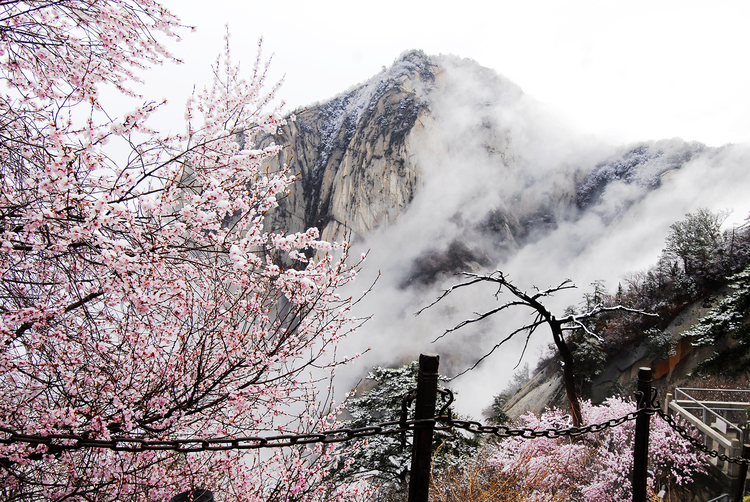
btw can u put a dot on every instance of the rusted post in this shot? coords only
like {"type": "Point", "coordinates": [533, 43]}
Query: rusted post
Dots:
{"type": "Point", "coordinates": [640, 447]}
{"type": "Point", "coordinates": [421, 457]}
{"type": "Point", "coordinates": [739, 488]}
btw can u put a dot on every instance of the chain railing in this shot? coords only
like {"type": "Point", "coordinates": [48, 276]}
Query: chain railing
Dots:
{"type": "Point", "coordinates": [441, 421]}
{"type": "Point", "coordinates": [697, 443]}
{"type": "Point", "coordinates": [60, 442]}
{"type": "Point", "coordinates": [502, 431]}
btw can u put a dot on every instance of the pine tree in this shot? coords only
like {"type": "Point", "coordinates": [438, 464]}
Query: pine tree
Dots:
{"type": "Point", "coordinates": [385, 460]}
{"type": "Point", "coordinates": [727, 321]}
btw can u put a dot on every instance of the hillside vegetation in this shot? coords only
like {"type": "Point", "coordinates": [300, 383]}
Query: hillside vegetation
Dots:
{"type": "Point", "coordinates": [699, 260]}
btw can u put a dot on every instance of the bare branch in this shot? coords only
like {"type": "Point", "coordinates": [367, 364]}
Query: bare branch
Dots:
{"type": "Point", "coordinates": [578, 324]}
{"type": "Point", "coordinates": [566, 284]}
{"type": "Point", "coordinates": [479, 317]}
{"type": "Point", "coordinates": [449, 291]}
{"type": "Point", "coordinates": [530, 327]}
{"type": "Point", "coordinates": [600, 308]}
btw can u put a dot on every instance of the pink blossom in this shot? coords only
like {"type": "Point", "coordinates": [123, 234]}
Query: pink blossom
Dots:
{"type": "Point", "coordinates": [129, 305]}
{"type": "Point", "coordinates": [597, 466]}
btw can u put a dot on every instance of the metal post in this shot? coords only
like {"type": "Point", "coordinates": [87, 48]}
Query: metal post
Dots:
{"type": "Point", "coordinates": [739, 488]}
{"type": "Point", "coordinates": [707, 439]}
{"type": "Point", "coordinates": [421, 458]}
{"type": "Point", "coordinates": [640, 448]}
{"type": "Point", "coordinates": [198, 495]}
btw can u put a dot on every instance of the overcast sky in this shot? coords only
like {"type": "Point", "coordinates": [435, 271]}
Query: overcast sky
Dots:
{"type": "Point", "coordinates": [621, 70]}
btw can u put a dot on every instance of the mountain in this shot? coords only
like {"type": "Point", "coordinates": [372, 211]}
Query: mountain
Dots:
{"type": "Point", "coordinates": [439, 166]}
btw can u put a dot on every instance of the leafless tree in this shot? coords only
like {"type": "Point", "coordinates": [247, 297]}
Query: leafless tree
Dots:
{"type": "Point", "coordinates": [542, 316]}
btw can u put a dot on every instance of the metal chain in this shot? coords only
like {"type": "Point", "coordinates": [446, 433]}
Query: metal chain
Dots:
{"type": "Point", "coordinates": [503, 431]}
{"type": "Point", "coordinates": [697, 443]}
{"type": "Point", "coordinates": [59, 442]}
{"type": "Point", "coordinates": [443, 422]}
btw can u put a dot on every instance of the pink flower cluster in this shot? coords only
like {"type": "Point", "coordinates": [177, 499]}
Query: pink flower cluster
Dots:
{"type": "Point", "coordinates": [142, 296]}
{"type": "Point", "coordinates": [597, 466]}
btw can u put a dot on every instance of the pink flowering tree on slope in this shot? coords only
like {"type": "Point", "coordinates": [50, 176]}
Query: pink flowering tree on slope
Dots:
{"type": "Point", "coordinates": [141, 296]}
{"type": "Point", "coordinates": [598, 466]}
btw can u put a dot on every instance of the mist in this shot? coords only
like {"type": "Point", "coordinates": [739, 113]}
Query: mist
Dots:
{"type": "Point", "coordinates": [500, 187]}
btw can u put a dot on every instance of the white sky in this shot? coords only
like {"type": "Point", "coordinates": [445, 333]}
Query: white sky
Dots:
{"type": "Point", "coordinates": [621, 70]}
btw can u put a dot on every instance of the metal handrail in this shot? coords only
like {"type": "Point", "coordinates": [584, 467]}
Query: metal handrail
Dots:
{"type": "Point", "coordinates": [716, 390]}
{"type": "Point", "coordinates": [706, 409]}
{"type": "Point", "coordinates": [724, 497]}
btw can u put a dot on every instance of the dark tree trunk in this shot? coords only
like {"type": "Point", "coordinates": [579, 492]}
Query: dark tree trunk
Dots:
{"type": "Point", "coordinates": [568, 377]}
{"type": "Point", "coordinates": [542, 316]}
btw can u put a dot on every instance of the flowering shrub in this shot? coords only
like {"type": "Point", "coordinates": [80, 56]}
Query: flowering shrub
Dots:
{"type": "Point", "coordinates": [596, 466]}
{"type": "Point", "coordinates": [141, 294]}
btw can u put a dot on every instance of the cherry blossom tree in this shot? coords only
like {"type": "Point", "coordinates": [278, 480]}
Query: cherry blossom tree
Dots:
{"type": "Point", "coordinates": [140, 293]}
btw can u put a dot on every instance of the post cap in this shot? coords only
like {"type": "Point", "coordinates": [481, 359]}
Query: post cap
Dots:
{"type": "Point", "coordinates": [429, 362]}
{"type": "Point", "coordinates": [645, 373]}
{"type": "Point", "coordinates": [198, 495]}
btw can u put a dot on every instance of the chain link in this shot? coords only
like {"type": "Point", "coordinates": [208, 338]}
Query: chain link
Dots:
{"type": "Point", "coordinates": [61, 442]}
{"type": "Point", "coordinates": [503, 431]}
{"type": "Point", "coordinates": [697, 443]}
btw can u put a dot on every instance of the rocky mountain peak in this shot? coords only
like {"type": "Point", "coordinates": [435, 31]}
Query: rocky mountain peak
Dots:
{"type": "Point", "coordinates": [352, 153]}
{"type": "Point", "coordinates": [471, 142]}
{"type": "Point", "coordinates": [440, 166]}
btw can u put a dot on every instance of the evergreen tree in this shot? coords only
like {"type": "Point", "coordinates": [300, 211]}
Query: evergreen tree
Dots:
{"type": "Point", "coordinates": [728, 320]}
{"type": "Point", "coordinates": [385, 460]}
{"type": "Point", "coordinates": [698, 242]}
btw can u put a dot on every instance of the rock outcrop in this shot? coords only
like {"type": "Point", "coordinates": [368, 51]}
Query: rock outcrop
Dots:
{"type": "Point", "coordinates": [440, 166]}
{"type": "Point", "coordinates": [353, 156]}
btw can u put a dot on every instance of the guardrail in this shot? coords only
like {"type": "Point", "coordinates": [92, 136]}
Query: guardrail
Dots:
{"type": "Point", "coordinates": [709, 408]}
{"type": "Point", "coordinates": [724, 497]}
{"type": "Point", "coordinates": [719, 432]}
{"type": "Point", "coordinates": [422, 426]}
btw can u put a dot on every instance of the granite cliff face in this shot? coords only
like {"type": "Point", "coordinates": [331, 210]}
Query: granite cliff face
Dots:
{"type": "Point", "coordinates": [353, 153]}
